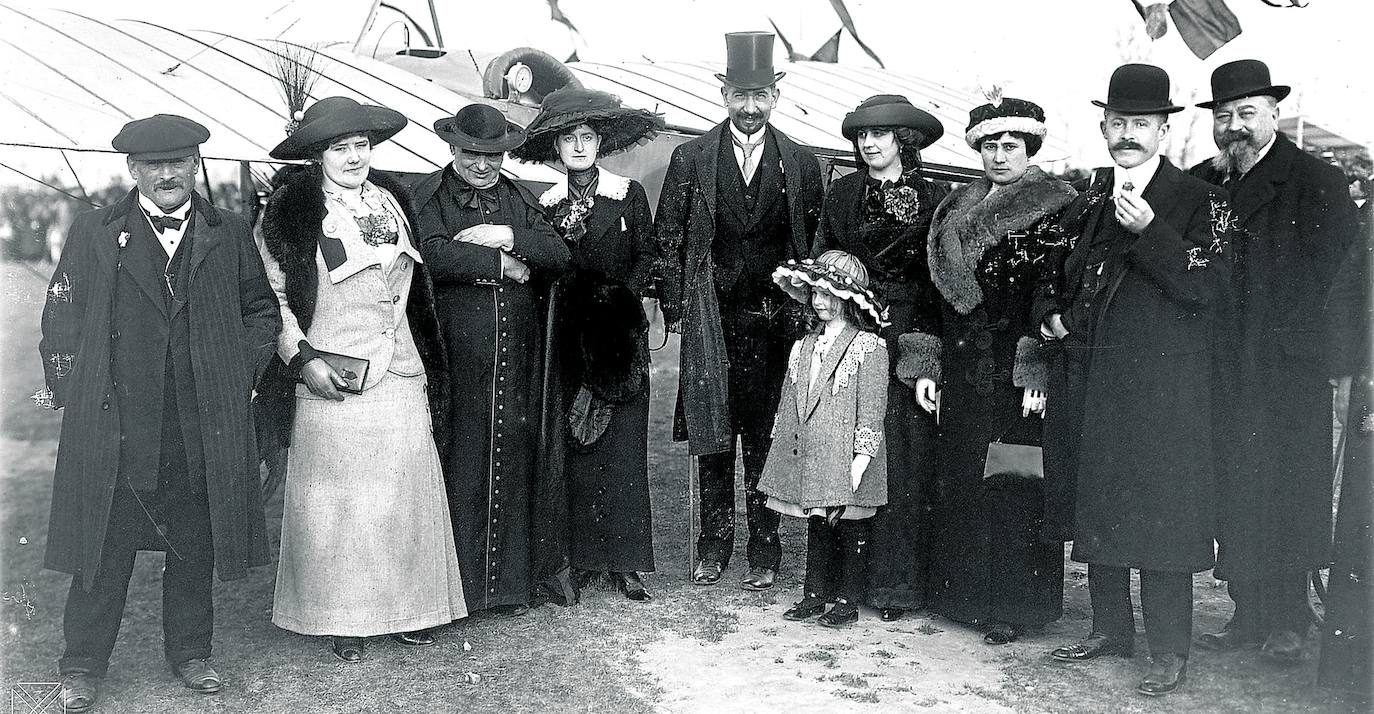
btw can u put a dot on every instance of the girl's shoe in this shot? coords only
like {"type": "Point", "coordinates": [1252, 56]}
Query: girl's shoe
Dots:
{"type": "Point", "coordinates": [418, 638]}
{"type": "Point", "coordinates": [840, 615]}
{"type": "Point", "coordinates": [809, 606]}
{"type": "Point", "coordinates": [348, 649]}
{"type": "Point", "coordinates": [1001, 633]}
{"type": "Point", "coordinates": [891, 614]}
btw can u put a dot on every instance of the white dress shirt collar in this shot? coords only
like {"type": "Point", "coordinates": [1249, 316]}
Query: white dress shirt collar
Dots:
{"type": "Point", "coordinates": [171, 237]}
{"type": "Point", "coordinates": [757, 156]}
{"type": "Point", "coordinates": [1138, 177]}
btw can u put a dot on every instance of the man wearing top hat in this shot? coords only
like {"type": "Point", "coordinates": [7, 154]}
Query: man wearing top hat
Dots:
{"type": "Point", "coordinates": [1296, 223]}
{"type": "Point", "coordinates": [158, 320]}
{"type": "Point", "coordinates": [736, 202]}
{"type": "Point", "coordinates": [493, 257]}
{"type": "Point", "coordinates": [1137, 318]}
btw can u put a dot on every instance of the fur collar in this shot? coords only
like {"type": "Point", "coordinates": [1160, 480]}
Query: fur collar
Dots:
{"type": "Point", "coordinates": [965, 226]}
{"type": "Point", "coordinates": [608, 185]}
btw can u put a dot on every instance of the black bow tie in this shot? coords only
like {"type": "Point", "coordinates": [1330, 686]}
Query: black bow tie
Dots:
{"type": "Point", "coordinates": [162, 223]}
{"type": "Point", "coordinates": [485, 199]}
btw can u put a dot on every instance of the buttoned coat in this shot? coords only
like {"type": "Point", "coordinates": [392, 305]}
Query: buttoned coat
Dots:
{"type": "Point", "coordinates": [105, 318]}
{"type": "Point", "coordinates": [1146, 462]}
{"type": "Point", "coordinates": [819, 428]}
{"type": "Point", "coordinates": [1296, 223]}
{"type": "Point", "coordinates": [685, 226]}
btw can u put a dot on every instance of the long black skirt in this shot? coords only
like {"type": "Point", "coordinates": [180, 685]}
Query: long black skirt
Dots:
{"type": "Point", "coordinates": [608, 494]}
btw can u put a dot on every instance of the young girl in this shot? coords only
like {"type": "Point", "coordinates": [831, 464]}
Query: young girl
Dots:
{"type": "Point", "coordinates": [827, 462]}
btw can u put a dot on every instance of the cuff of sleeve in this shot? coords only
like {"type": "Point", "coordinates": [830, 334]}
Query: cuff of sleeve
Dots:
{"type": "Point", "coordinates": [1031, 369]}
{"type": "Point", "coordinates": [306, 353]}
{"type": "Point", "coordinates": [866, 441]}
{"type": "Point", "coordinates": [918, 356]}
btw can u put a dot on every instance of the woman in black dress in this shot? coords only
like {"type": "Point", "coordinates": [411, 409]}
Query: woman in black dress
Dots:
{"type": "Point", "coordinates": [600, 331]}
{"type": "Point", "coordinates": [993, 241]}
{"type": "Point", "coordinates": [880, 214]}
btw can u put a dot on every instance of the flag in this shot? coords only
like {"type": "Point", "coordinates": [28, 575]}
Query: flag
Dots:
{"type": "Point", "coordinates": [830, 51]}
{"type": "Point", "coordinates": [1205, 25]}
{"type": "Point", "coordinates": [848, 22]}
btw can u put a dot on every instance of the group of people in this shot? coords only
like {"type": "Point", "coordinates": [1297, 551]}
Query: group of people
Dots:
{"type": "Point", "coordinates": [946, 385]}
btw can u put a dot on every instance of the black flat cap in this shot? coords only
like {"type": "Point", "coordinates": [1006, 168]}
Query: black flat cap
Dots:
{"type": "Point", "coordinates": [161, 136]}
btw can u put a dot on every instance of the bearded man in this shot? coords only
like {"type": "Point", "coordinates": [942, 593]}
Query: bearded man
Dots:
{"type": "Point", "coordinates": [1296, 223]}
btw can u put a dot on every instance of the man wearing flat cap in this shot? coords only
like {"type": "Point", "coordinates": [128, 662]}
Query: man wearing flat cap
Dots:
{"type": "Point", "coordinates": [1296, 223]}
{"type": "Point", "coordinates": [1137, 319]}
{"type": "Point", "coordinates": [493, 258]}
{"type": "Point", "coordinates": [158, 321]}
{"type": "Point", "coordinates": [736, 202]}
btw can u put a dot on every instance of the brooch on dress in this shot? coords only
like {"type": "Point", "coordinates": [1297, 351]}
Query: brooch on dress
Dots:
{"type": "Point", "coordinates": [903, 203]}
{"type": "Point", "coordinates": [377, 229]}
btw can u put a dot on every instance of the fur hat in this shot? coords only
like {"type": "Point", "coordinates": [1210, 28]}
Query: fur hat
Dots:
{"type": "Point", "coordinates": [1001, 115]}
{"type": "Point", "coordinates": [619, 127]}
{"type": "Point", "coordinates": [836, 272]}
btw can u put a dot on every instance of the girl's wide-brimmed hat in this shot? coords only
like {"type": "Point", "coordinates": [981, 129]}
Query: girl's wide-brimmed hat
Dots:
{"type": "Point", "coordinates": [892, 110]}
{"type": "Point", "coordinates": [836, 272]}
{"type": "Point", "coordinates": [333, 117]}
{"type": "Point", "coordinates": [619, 127]}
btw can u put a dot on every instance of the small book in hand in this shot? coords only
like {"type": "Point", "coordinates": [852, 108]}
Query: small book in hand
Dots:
{"type": "Point", "coordinates": [352, 369]}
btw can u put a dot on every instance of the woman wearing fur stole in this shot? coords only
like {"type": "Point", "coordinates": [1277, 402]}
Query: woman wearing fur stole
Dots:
{"type": "Point", "coordinates": [367, 543]}
{"type": "Point", "coordinates": [827, 463]}
{"type": "Point", "coordinates": [993, 243]}
{"type": "Point", "coordinates": [600, 337]}
{"type": "Point", "coordinates": [880, 214]}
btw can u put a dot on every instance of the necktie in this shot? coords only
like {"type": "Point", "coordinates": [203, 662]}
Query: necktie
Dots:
{"type": "Point", "coordinates": [1128, 187]}
{"type": "Point", "coordinates": [162, 223]}
{"type": "Point", "coordinates": [748, 148]}
{"type": "Point", "coordinates": [485, 200]}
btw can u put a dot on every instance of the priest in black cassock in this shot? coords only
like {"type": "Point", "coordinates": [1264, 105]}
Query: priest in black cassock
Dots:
{"type": "Point", "coordinates": [493, 257]}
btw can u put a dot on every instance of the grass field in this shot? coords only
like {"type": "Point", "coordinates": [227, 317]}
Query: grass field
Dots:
{"type": "Point", "coordinates": [691, 649]}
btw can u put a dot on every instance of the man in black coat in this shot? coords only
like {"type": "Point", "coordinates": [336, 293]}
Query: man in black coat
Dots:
{"type": "Point", "coordinates": [1144, 285]}
{"type": "Point", "coordinates": [736, 202]}
{"type": "Point", "coordinates": [158, 321]}
{"type": "Point", "coordinates": [1297, 222]}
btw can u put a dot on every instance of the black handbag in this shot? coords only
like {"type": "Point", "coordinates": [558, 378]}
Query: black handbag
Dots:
{"type": "Point", "coordinates": [1013, 460]}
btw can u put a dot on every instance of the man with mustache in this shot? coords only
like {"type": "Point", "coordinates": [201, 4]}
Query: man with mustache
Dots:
{"type": "Point", "coordinates": [736, 202]}
{"type": "Point", "coordinates": [158, 321]}
{"type": "Point", "coordinates": [1296, 223]}
{"type": "Point", "coordinates": [1137, 317]}
{"type": "Point", "coordinates": [492, 257]}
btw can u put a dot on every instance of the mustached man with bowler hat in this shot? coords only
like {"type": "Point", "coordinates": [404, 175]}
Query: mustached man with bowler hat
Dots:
{"type": "Point", "coordinates": [1296, 223]}
{"type": "Point", "coordinates": [158, 321]}
{"type": "Point", "coordinates": [736, 202]}
{"type": "Point", "coordinates": [1137, 319]}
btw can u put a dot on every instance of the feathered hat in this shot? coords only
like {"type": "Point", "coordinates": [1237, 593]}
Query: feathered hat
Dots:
{"type": "Point", "coordinates": [835, 272]}
{"type": "Point", "coordinates": [1001, 115]}
{"type": "Point", "coordinates": [619, 127]}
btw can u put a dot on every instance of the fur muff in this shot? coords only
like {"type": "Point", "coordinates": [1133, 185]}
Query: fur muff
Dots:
{"type": "Point", "coordinates": [1031, 368]}
{"type": "Point", "coordinates": [918, 356]}
{"type": "Point", "coordinates": [611, 336]}
{"type": "Point", "coordinates": [968, 222]}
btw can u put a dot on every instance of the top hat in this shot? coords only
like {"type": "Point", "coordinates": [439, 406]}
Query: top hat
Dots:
{"type": "Point", "coordinates": [1243, 78]}
{"type": "Point", "coordinates": [835, 272]}
{"type": "Point", "coordinates": [892, 110]}
{"type": "Point", "coordinates": [160, 137]}
{"type": "Point", "coordinates": [1002, 115]}
{"type": "Point", "coordinates": [618, 127]}
{"type": "Point", "coordinates": [1139, 89]}
{"type": "Point", "coordinates": [749, 60]}
{"type": "Point", "coordinates": [480, 127]}
{"type": "Point", "coordinates": [333, 117]}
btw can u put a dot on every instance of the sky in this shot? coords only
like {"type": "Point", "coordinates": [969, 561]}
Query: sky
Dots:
{"type": "Point", "coordinates": [1059, 53]}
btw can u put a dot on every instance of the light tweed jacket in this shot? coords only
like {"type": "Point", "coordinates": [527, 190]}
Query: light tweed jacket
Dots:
{"type": "Point", "coordinates": [818, 431]}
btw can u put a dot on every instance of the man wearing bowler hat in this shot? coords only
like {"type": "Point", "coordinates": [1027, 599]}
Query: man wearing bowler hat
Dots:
{"type": "Point", "coordinates": [493, 257]}
{"type": "Point", "coordinates": [1296, 223]}
{"type": "Point", "coordinates": [1143, 288]}
{"type": "Point", "coordinates": [736, 202]}
{"type": "Point", "coordinates": [158, 320]}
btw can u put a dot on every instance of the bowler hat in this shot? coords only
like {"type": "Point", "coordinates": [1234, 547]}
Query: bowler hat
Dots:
{"type": "Point", "coordinates": [1139, 89]}
{"type": "Point", "coordinates": [333, 117]}
{"type": "Point", "coordinates": [619, 127]}
{"type": "Point", "coordinates": [892, 110]}
{"type": "Point", "coordinates": [1243, 78]}
{"type": "Point", "coordinates": [749, 60]}
{"type": "Point", "coordinates": [480, 127]}
{"type": "Point", "coordinates": [161, 136]}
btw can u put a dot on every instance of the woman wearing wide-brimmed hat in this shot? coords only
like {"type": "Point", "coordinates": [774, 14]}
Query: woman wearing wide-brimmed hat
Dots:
{"type": "Point", "coordinates": [367, 542]}
{"type": "Point", "coordinates": [880, 215]}
{"type": "Point", "coordinates": [600, 335]}
{"type": "Point", "coordinates": [992, 242]}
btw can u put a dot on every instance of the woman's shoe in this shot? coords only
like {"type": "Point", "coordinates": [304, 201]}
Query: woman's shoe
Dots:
{"type": "Point", "coordinates": [891, 614]}
{"type": "Point", "coordinates": [348, 649]}
{"type": "Point", "coordinates": [418, 638]}
{"type": "Point", "coordinates": [842, 614]}
{"type": "Point", "coordinates": [632, 586]}
{"type": "Point", "coordinates": [1002, 633]}
{"type": "Point", "coordinates": [808, 607]}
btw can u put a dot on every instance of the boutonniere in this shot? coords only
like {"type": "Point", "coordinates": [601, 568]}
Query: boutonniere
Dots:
{"type": "Point", "coordinates": [903, 203]}
{"type": "Point", "coordinates": [573, 223]}
{"type": "Point", "coordinates": [377, 229]}
{"type": "Point", "coordinates": [123, 239]}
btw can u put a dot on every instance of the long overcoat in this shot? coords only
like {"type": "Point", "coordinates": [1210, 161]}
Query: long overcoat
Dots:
{"type": "Point", "coordinates": [233, 322]}
{"type": "Point", "coordinates": [1296, 223]}
{"type": "Point", "coordinates": [685, 226]}
{"type": "Point", "coordinates": [1146, 471]}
